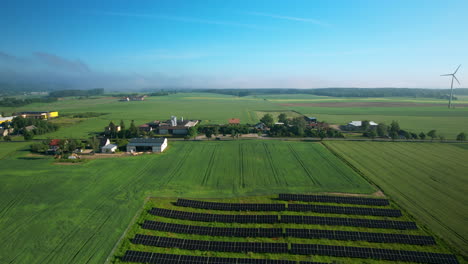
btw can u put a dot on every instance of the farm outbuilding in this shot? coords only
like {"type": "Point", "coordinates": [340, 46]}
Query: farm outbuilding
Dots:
{"type": "Point", "coordinates": [109, 148]}
{"type": "Point", "coordinates": [156, 145]}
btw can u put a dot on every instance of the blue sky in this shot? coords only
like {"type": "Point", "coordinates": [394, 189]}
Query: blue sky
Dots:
{"type": "Point", "coordinates": [234, 44]}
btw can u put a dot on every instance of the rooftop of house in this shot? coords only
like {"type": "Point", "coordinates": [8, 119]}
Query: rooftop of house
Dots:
{"type": "Point", "coordinates": [109, 146]}
{"type": "Point", "coordinates": [54, 142]}
{"type": "Point", "coordinates": [359, 123]}
{"type": "Point", "coordinates": [34, 112]}
{"type": "Point", "coordinates": [147, 141]}
{"type": "Point", "coordinates": [180, 124]}
{"type": "Point", "coordinates": [234, 121]}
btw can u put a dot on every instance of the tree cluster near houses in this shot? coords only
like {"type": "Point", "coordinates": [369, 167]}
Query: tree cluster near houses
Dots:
{"type": "Point", "coordinates": [394, 131]}
{"type": "Point", "coordinates": [114, 131]}
{"type": "Point", "coordinates": [28, 127]}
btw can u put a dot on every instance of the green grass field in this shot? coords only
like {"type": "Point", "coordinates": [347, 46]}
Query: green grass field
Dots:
{"type": "Point", "coordinates": [167, 203]}
{"type": "Point", "coordinates": [57, 213]}
{"type": "Point", "coordinates": [428, 180]}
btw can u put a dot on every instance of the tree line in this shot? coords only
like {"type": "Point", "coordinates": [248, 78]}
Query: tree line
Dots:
{"type": "Point", "coordinates": [344, 92]}
{"type": "Point", "coordinates": [14, 102]}
{"type": "Point", "coordinates": [67, 93]}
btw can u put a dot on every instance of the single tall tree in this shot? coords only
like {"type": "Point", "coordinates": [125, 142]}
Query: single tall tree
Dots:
{"type": "Point", "coordinates": [394, 126]}
{"type": "Point", "coordinates": [432, 134]}
{"type": "Point", "coordinates": [267, 119]}
{"type": "Point", "coordinates": [283, 118]}
{"type": "Point", "coordinates": [422, 135]}
{"type": "Point", "coordinates": [382, 130]}
{"type": "Point", "coordinates": [133, 130]}
{"type": "Point", "coordinates": [461, 136]}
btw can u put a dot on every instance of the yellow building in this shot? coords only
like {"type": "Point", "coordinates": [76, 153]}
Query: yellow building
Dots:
{"type": "Point", "coordinates": [6, 119]}
{"type": "Point", "coordinates": [38, 114]}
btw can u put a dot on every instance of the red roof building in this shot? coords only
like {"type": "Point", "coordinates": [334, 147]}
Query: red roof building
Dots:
{"type": "Point", "coordinates": [54, 142]}
{"type": "Point", "coordinates": [234, 121]}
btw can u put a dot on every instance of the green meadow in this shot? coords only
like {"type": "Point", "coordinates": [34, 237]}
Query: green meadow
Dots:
{"type": "Point", "coordinates": [62, 213]}
{"type": "Point", "coordinates": [428, 180]}
{"type": "Point", "coordinates": [423, 114]}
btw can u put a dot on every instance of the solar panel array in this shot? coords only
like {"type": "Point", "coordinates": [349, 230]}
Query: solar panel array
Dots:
{"type": "Point", "coordinates": [360, 236]}
{"type": "Point", "coordinates": [290, 232]}
{"type": "Point", "coordinates": [207, 245]}
{"type": "Point", "coordinates": [333, 199]}
{"type": "Point", "coordinates": [261, 219]}
{"type": "Point", "coordinates": [213, 231]}
{"type": "Point", "coordinates": [369, 223]}
{"type": "Point", "coordinates": [230, 206]}
{"type": "Point", "coordinates": [158, 258]}
{"type": "Point", "coordinates": [327, 209]}
{"type": "Point", "coordinates": [375, 253]}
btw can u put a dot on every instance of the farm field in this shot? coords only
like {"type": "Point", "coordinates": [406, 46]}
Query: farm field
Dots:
{"type": "Point", "coordinates": [169, 203]}
{"type": "Point", "coordinates": [414, 114]}
{"type": "Point", "coordinates": [428, 180]}
{"type": "Point", "coordinates": [75, 213]}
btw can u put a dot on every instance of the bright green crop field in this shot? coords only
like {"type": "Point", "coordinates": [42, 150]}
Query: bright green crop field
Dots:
{"type": "Point", "coordinates": [429, 180]}
{"type": "Point", "coordinates": [57, 213]}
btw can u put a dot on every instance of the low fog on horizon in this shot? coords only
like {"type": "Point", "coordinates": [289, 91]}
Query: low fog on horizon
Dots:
{"type": "Point", "coordinates": [234, 44]}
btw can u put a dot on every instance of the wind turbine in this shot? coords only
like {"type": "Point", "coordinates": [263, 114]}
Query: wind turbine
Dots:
{"type": "Point", "coordinates": [451, 86]}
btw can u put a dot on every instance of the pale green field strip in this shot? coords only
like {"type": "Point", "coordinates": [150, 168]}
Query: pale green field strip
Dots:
{"type": "Point", "coordinates": [168, 204]}
{"type": "Point", "coordinates": [76, 213]}
{"type": "Point", "coordinates": [428, 180]}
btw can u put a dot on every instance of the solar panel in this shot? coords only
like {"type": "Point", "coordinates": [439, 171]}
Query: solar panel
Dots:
{"type": "Point", "coordinates": [360, 236]}
{"type": "Point", "coordinates": [269, 219]}
{"type": "Point", "coordinates": [374, 253]}
{"type": "Point", "coordinates": [328, 209]}
{"type": "Point", "coordinates": [334, 199]}
{"type": "Point", "coordinates": [206, 245]}
{"type": "Point", "coordinates": [230, 206]}
{"type": "Point", "coordinates": [369, 223]}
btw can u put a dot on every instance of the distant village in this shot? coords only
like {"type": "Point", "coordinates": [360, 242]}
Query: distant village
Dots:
{"type": "Point", "coordinates": [152, 137]}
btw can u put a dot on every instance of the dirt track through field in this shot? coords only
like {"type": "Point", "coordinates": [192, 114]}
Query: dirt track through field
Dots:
{"type": "Point", "coordinates": [370, 104]}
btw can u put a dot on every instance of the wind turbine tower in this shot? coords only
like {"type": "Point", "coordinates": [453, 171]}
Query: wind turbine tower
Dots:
{"type": "Point", "coordinates": [451, 86]}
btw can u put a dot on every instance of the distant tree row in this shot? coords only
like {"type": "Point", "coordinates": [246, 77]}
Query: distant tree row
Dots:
{"type": "Point", "coordinates": [14, 102]}
{"type": "Point", "coordinates": [86, 93]}
{"type": "Point", "coordinates": [343, 92]}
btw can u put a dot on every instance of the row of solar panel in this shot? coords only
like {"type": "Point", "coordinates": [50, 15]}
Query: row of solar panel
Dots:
{"type": "Point", "coordinates": [213, 231]}
{"type": "Point", "coordinates": [368, 223]}
{"type": "Point", "coordinates": [158, 258]}
{"type": "Point", "coordinates": [215, 217]}
{"type": "Point", "coordinates": [333, 199]}
{"type": "Point", "coordinates": [326, 209]}
{"type": "Point", "coordinates": [290, 232]}
{"type": "Point", "coordinates": [231, 206]}
{"type": "Point", "coordinates": [374, 253]}
{"type": "Point", "coordinates": [294, 219]}
{"type": "Point", "coordinates": [206, 245]}
{"type": "Point", "coordinates": [300, 249]}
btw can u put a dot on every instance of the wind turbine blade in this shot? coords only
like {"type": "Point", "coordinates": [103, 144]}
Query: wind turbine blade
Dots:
{"type": "Point", "coordinates": [457, 69]}
{"type": "Point", "coordinates": [456, 79]}
{"type": "Point", "coordinates": [447, 74]}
